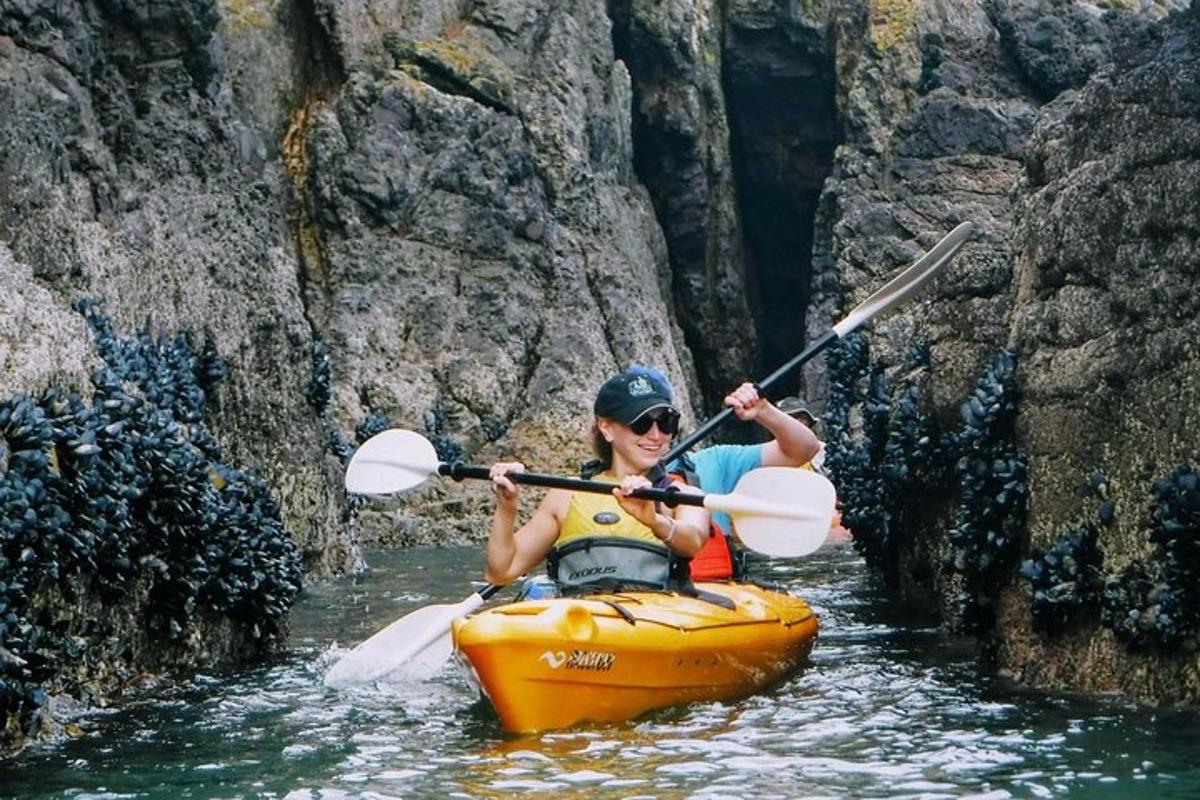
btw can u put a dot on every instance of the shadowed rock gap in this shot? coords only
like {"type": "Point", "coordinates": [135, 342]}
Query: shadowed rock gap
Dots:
{"type": "Point", "coordinates": [783, 131]}
{"type": "Point", "coordinates": [681, 155]}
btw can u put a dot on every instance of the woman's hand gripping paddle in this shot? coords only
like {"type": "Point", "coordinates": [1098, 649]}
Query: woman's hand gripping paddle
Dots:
{"type": "Point", "coordinates": [777, 511]}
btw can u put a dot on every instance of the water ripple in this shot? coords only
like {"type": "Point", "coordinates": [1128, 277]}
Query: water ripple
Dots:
{"type": "Point", "coordinates": [887, 708]}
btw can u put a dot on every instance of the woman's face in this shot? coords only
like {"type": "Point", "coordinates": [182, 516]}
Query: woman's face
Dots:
{"type": "Point", "coordinates": [641, 451]}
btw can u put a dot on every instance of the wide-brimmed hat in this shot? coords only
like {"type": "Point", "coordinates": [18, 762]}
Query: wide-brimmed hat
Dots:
{"type": "Point", "coordinates": [795, 407]}
{"type": "Point", "coordinates": [631, 393]}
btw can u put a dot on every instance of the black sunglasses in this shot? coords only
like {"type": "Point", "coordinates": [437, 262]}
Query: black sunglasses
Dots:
{"type": "Point", "coordinates": [667, 421]}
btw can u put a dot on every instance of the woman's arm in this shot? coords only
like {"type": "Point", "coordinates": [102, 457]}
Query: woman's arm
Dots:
{"type": "Point", "coordinates": [684, 529]}
{"type": "Point", "coordinates": [794, 444]}
{"type": "Point", "coordinates": [510, 555]}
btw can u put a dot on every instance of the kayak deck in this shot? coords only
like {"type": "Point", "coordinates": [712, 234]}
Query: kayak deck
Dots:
{"type": "Point", "coordinates": [551, 663]}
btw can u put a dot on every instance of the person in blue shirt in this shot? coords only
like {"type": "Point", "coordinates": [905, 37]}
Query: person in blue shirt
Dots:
{"type": "Point", "coordinates": [720, 467]}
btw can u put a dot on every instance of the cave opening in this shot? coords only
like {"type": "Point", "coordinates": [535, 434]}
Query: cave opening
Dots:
{"type": "Point", "coordinates": [780, 89]}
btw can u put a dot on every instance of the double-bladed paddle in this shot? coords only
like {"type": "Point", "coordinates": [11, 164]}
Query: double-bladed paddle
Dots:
{"type": "Point", "coordinates": [893, 294]}
{"type": "Point", "coordinates": [778, 511]}
{"type": "Point", "coordinates": [417, 644]}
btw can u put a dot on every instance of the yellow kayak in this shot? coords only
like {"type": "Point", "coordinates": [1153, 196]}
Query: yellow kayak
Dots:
{"type": "Point", "coordinates": [551, 663]}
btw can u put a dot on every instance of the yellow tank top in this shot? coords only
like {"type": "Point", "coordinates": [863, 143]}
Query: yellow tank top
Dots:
{"type": "Point", "coordinates": [600, 515]}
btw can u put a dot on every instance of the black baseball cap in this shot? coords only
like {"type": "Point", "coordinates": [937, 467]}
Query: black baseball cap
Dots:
{"type": "Point", "coordinates": [631, 393]}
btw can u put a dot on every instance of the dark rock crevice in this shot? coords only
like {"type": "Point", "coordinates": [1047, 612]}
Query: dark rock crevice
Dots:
{"type": "Point", "coordinates": [681, 155]}
{"type": "Point", "coordinates": [319, 61]}
{"type": "Point", "coordinates": [734, 128]}
{"type": "Point", "coordinates": [783, 130]}
{"type": "Point", "coordinates": [319, 73]}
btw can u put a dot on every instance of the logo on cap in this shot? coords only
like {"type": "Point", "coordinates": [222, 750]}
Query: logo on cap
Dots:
{"type": "Point", "coordinates": [639, 387]}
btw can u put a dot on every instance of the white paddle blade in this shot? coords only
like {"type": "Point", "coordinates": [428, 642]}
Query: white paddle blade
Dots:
{"type": "Point", "coordinates": [779, 511]}
{"type": "Point", "coordinates": [391, 461]}
{"type": "Point", "coordinates": [908, 282]}
{"type": "Point", "coordinates": [413, 647]}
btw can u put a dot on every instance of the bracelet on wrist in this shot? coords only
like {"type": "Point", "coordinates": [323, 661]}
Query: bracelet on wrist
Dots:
{"type": "Point", "coordinates": [670, 531]}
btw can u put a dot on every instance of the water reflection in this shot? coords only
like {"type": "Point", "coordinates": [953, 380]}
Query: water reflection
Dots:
{"type": "Point", "coordinates": [887, 708]}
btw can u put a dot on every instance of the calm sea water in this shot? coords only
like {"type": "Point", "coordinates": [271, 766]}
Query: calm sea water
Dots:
{"type": "Point", "coordinates": [887, 708]}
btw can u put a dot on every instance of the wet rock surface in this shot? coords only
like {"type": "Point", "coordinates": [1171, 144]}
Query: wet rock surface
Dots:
{"type": "Point", "coordinates": [1106, 320]}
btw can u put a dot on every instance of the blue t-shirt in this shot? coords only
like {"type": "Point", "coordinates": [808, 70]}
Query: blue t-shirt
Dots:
{"type": "Point", "coordinates": [719, 469]}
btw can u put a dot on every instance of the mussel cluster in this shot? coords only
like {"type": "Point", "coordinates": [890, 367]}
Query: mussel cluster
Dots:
{"type": "Point", "coordinates": [1159, 606]}
{"type": "Point", "coordinates": [129, 488]}
{"type": "Point", "coordinates": [1066, 580]}
{"type": "Point", "coordinates": [338, 445]}
{"type": "Point", "coordinates": [860, 486]}
{"type": "Point", "coordinates": [883, 474]}
{"type": "Point", "coordinates": [320, 383]}
{"type": "Point", "coordinates": [886, 470]}
{"type": "Point", "coordinates": [211, 367]}
{"type": "Point", "coordinates": [373, 423]}
{"type": "Point", "coordinates": [494, 430]}
{"type": "Point", "coordinates": [448, 450]}
{"type": "Point", "coordinates": [917, 456]}
{"type": "Point", "coordinates": [985, 539]}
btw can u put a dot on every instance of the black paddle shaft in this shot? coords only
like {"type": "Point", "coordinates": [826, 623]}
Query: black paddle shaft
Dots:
{"type": "Point", "coordinates": [763, 387]}
{"type": "Point", "coordinates": [670, 497]}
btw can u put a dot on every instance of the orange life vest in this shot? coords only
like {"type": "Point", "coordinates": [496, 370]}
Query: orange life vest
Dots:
{"type": "Point", "coordinates": [713, 561]}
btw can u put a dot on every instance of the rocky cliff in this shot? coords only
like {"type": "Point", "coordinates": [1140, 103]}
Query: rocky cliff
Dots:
{"type": "Point", "coordinates": [312, 220]}
{"type": "Point", "coordinates": [1042, 498]}
{"type": "Point", "coordinates": [1106, 322]}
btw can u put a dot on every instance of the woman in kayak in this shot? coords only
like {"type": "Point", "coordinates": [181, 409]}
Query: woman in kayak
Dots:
{"type": "Point", "coordinates": [595, 541]}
